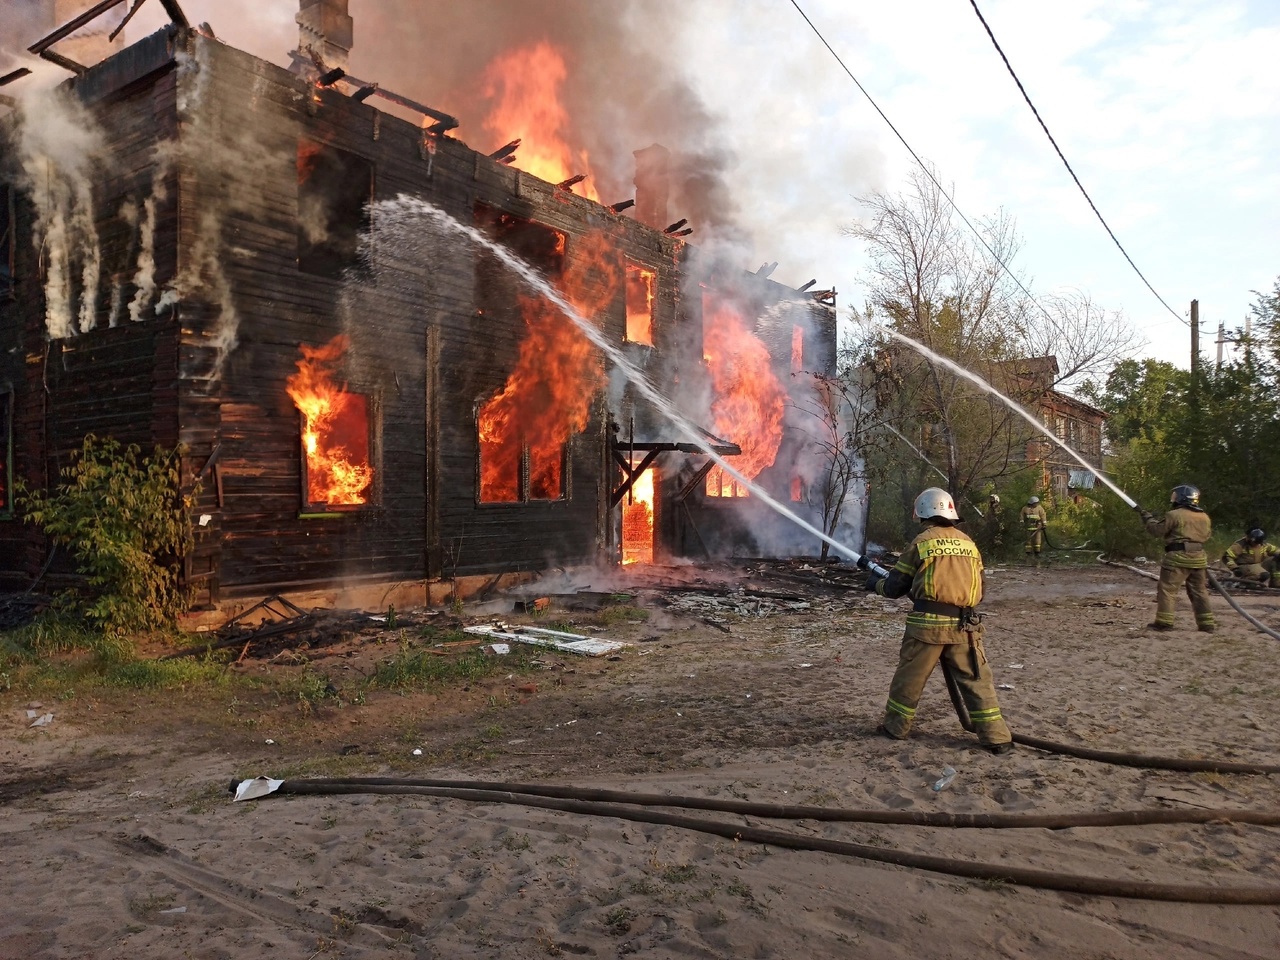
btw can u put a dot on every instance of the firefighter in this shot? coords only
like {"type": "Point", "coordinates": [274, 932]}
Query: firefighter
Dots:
{"type": "Point", "coordinates": [1033, 520]}
{"type": "Point", "coordinates": [942, 571]}
{"type": "Point", "coordinates": [1185, 529]}
{"type": "Point", "coordinates": [1252, 558]}
{"type": "Point", "coordinates": [995, 521]}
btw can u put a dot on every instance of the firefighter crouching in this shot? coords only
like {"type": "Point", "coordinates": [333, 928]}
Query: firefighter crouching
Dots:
{"type": "Point", "coordinates": [1033, 522]}
{"type": "Point", "coordinates": [942, 571]}
{"type": "Point", "coordinates": [1185, 529]}
{"type": "Point", "coordinates": [1252, 558]}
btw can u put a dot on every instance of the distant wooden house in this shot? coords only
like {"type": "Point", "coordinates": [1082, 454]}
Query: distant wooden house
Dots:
{"type": "Point", "coordinates": [1071, 420]}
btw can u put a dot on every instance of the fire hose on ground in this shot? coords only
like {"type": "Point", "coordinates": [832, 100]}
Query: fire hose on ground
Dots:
{"type": "Point", "coordinates": [1214, 582]}
{"type": "Point", "coordinates": [635, 808]}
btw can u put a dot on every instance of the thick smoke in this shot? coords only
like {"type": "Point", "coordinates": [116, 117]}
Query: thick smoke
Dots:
{"type": "Point", "coordinates": [623, 90]}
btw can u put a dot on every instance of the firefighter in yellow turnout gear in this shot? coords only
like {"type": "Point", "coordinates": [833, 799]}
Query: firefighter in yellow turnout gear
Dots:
{"type": "Point", "coordinates": [1185, 529]}
{"type": "Point", "coordinates": [942, 571]}
{"type": "Point", "coordinates": [1033, 522]}
{"type": "Point", "coordinates": [1252, 558]}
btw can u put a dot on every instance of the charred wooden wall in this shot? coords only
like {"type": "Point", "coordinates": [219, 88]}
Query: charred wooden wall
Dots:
{"type": "Point", "coordinates": [119, 378]}
{"type": "Point", "coordinates": [421, 347]}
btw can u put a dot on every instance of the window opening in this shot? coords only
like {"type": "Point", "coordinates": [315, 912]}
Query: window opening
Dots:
{"type": "Point", "coordinates": [337, 467]}
{"type": "Point", "coordinates": [637, 519]}
{"type": "Point", "coordinates": [640, 286]}
{"type": "Point", "coordinates": [335, 190]}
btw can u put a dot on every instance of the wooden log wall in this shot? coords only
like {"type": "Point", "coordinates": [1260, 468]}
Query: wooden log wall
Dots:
{"type": "Point", "coordinates": [433, 323]}
{"type": "Point", "coordinates": [434, 329]}
{"type": "Point", "coordinates": [119, 378]}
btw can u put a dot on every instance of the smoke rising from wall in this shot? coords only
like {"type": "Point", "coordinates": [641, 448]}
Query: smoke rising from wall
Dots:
{"type": "Point", "coordinates": [59, 154]}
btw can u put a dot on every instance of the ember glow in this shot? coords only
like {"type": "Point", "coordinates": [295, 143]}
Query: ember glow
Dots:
{"type": "Point", "coordinates": [637, 521]}
{"type": "Point", "coordinates": [547, 398]}
{"type": "Point", "coordinates": [640, 284]}
{"type": "Point", "coordinates": [335, 429]}
{"type": "Point", "coordinates": [525, 87]}
{"type": "Point", "coordinates": [749, 402]}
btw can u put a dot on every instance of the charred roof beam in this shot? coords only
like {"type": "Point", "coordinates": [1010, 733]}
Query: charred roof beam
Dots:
{"type": "Point", "coordinates": [137, 5]}
{"type": "Point", "coordinates": [70, 27]}
{"type": "Point", "coordinates": [18, 74]}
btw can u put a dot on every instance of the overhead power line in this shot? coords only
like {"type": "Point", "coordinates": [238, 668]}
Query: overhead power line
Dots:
{"type": "Point", "coordinates": [923, 166]}
{"type": "Point", "coordinates": [1043, 126]}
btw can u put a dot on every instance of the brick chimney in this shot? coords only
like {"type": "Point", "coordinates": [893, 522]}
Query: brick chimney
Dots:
{"type": "Point", "coordinates": [653, 185]}
{"type": "Point", "coordinates": [325, 28]}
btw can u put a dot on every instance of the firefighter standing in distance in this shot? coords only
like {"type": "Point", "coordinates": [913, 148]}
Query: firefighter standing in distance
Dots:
{"type": "Point", "coordinates": [1033, 520]}
{"type": "Point", "coordinates": [1252, 558]}
{"type": "Point", "coordinates": [1185, 529]}
{"type": "Point", "coordinates": [942, 571]}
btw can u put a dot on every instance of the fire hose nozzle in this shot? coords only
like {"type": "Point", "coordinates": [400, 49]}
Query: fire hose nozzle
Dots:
{"type": "Point", "coordinates": [878, 570]}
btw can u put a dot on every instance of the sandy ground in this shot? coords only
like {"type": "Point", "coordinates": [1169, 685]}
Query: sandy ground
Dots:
{"type": "Point", "coordinates": [119, 838]}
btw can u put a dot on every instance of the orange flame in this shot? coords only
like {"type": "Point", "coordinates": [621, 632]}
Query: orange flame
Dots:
{"type": "Point", "coordinates": [335, 431]}
{"type": "Point", "coordinates": [749, 404]}
{"type": "Point", "coordinates": [637, 521]}
{"type": "Point", "coordinates": [524, 84]}
{"type": "Point", "coordinates": [547, 398]}
{"type": "Point", "coordinates": [797, 349]}
{"type": "Point", "coordinates": [640, 284]}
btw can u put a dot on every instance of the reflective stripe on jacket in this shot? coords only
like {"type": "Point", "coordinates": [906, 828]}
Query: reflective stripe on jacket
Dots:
{"type": "Point", "coordinates": [942, 564]}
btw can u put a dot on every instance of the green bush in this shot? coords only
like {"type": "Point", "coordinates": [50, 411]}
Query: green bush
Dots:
{"type": "Point", "coordinates": [127, 523]}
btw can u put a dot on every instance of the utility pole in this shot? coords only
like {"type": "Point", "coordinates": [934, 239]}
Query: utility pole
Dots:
{"type": "Point", "coordinates": [1222, 338]}
{"type": "Point", "coordinates": [1195, 337]}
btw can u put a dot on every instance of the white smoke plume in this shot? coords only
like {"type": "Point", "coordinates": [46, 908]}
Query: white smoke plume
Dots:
{"type": "Point", "coordinates": [60, 153]}
{"type": "Point", "coordinates": [144, 277]}
{"type": "Point", "coordinates": [225, 157]}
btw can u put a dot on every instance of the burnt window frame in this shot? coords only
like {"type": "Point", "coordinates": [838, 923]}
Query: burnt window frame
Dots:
{"type": "Point", "coordinates": [7, 398]}
{"type": "Point", "coordinates": [310, 510]}
{"type": "Point", "coordinates": [524, 474]}
{"type": "Point", "coordinates": [8, 240]}
{"type": "Point", "coordinates": [353, 263]}
{"type": "Point", "coordinates": [628, 263]}
{"type": "Point", "coordinates": [497, 223]}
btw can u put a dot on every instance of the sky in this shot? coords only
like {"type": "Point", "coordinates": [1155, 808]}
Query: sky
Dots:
{"type": "Point", "coordinates": [1169, 111]}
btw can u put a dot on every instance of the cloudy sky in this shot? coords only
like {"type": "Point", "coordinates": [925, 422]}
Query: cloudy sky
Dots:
{"type": "Point", "coordinates": [1169, 110]}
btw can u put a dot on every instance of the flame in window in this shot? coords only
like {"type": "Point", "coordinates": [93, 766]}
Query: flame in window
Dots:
{"type": "Point", "coordinates": [335, 429]}
{"type": "Point", "coordinates": [547, 397]}
{"type": "Point", "coordinates": [637, 521]}
{"type": "Point", "coordinates": [640, 283]}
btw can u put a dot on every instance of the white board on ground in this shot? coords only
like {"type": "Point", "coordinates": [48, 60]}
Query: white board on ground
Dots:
{"type": "Point", "coordinates": [556, 639]}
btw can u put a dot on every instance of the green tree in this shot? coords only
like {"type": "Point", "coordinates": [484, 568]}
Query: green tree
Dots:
{"type": "Point", "coordinates": [127, 522]}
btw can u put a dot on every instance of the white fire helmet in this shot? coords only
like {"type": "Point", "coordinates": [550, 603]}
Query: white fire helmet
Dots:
{"type": "Point", "coordinates": [935, 502]}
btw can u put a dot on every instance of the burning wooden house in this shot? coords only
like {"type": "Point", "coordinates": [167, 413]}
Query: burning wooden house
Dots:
{"type": "Point", "coordinates": [230, 263]}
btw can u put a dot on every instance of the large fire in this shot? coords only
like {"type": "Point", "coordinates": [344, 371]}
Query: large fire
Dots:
{"type": "Point", "coordinates": [749, 404]}
{"type": "Point", "coordinates": [524, 85]}
{"type": "Point", "coordinates": [637, 521]}
{"type": "Point", "coordinates": [335, 430]}
{"type": "Point", "coordinates": [547, 397]}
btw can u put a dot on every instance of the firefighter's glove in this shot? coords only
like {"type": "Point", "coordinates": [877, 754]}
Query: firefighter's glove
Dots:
{"type": "Point", "coordinates": [872, 582]}
{"type": "Point", "coordinates": [1147, 517]}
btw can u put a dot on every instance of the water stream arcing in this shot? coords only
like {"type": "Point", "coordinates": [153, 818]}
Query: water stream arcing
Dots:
{"type": "Point", "coordinates": [1011, 404]}
{"type": "Point", "coordinates": [407, 215]}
